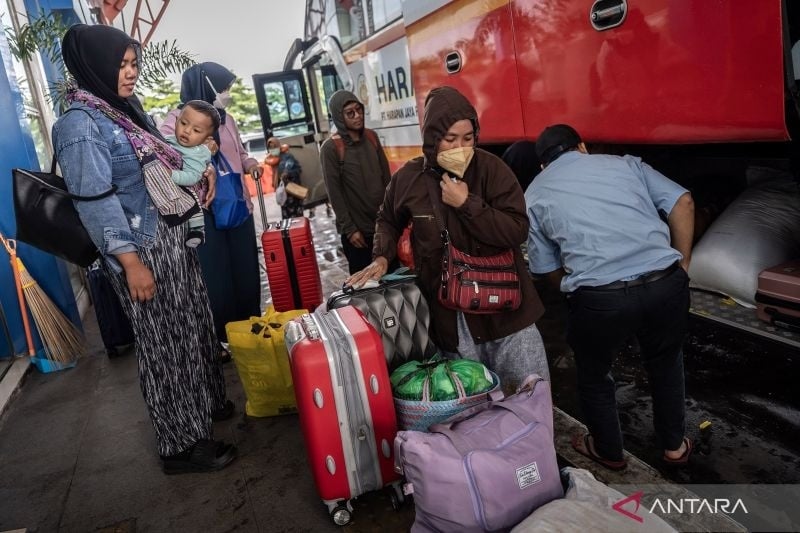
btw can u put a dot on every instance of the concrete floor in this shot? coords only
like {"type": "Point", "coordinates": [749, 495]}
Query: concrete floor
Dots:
{"type": "Point", "coordinates": [77, 454]}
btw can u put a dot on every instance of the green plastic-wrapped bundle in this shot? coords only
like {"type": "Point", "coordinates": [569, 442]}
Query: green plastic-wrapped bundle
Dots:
{"type": "Point", "coordinates": [442, 378]}
{"type": "Point", "coordinates": [429, 392]}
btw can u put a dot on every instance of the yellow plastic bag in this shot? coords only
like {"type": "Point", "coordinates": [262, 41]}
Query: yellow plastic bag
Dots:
{"type": "Point", "coordinates": [259, 352]}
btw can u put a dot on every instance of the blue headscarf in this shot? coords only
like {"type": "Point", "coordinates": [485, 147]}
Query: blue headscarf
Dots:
{"type": "Point", "coordinates": [195, 83]}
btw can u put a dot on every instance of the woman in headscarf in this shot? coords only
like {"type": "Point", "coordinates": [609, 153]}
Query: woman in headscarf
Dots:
{"type": "Point", "coordinates": [105, 141]}
{"type": "Point", "coordinates": [483, 210]}
{"type": "Point", "coordinates": [286, 169]}
{"type": "Point", "coordinates": [229, 257]}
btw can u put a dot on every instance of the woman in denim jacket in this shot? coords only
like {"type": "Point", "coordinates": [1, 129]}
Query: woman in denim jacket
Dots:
{"type": "Point", "coordinates": [106, 140]}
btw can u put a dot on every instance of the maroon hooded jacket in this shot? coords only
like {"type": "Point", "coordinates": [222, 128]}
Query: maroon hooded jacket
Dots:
{"type": "Point", "coordinates": [492, 219]}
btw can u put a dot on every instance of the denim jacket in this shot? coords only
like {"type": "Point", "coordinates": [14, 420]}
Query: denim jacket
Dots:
{"type": "Point", "coordinates": [94, 153]}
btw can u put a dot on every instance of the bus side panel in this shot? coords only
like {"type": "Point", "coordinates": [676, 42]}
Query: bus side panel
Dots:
{"type": "Point", "coordinates": [384, 85]}
{"type": "Point", "coordinates": [675, 71]}
{"type": "Point", "coordinates": [481, 33]}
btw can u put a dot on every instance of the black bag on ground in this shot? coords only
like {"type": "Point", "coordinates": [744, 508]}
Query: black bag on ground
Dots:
{"type": "Point", "coordinates": [400, 313]}
{"type": "Point", "coordinates": [115, 328]}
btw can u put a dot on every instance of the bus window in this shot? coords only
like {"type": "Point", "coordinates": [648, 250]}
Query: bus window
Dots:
{"type": "Point", "coordinates": [349, 21]}
{"type": "Point", "coordinates": [384, 12]}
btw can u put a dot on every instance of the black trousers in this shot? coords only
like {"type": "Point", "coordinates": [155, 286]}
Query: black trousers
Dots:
{"type": "Point", "coordinates": [229, 260]}
{"type": "Point", "coordinates": [599, 322]}
{"type": "Point", "coordinates": [357, 258]}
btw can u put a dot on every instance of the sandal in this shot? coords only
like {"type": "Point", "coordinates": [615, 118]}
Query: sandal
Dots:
{"type": "Point", "coordinates": [204, 456]}
{"type": "Point", "coordinates": [684, 458]}
{"type": "Point", "coordinates": [583, 445]}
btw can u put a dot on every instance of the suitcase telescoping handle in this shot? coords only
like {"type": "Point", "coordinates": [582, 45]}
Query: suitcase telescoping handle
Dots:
{"type": "Point", "coordinates": [260, 193]}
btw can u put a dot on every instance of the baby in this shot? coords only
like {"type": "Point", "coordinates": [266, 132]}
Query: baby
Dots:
{"type": "Point", "coordinates": [196, 124]}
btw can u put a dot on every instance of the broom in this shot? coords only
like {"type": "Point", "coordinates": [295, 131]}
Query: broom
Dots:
{"type": "Point", "coordinates": [61, 339]}
{"type": "Point", "coordinates": [11, 248]}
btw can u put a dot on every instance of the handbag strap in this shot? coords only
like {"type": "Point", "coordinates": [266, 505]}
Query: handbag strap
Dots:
{"type": "Point", "coordinates": [57, 190]}
{"type": "Point", "coordinates": [69, 195]}
{"type": "Point", "coordinates": [223, 163]}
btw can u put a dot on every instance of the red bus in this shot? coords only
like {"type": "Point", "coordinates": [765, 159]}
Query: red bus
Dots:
{"type": "Point", "coordinates": [703, 91]}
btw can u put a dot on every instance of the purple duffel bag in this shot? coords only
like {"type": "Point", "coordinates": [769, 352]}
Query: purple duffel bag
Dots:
{"type": "Point", "coordinates": [486, 468]}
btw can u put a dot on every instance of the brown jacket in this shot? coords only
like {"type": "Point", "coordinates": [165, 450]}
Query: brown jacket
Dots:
{"type": "Point", "coordinates": [491, 220]}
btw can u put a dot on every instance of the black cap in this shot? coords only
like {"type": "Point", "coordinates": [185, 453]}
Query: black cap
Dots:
{"type": "Point", "coordinates": [554, 141]}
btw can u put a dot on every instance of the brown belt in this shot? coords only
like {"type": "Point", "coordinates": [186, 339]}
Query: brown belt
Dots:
{"type": "Point", "coordinates": [647, 278]}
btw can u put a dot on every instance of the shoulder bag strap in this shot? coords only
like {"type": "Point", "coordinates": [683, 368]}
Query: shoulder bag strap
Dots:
{"type": "Point", "coordinates": [49, 187]}
{"type": "Point", "coordinates": [222, 162]}
{"type": "Point", "coordinates": [57, 190]}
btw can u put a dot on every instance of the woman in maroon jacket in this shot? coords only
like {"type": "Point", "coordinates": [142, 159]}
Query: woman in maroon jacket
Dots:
{"type": "Point", "coordinates": [483, 208]}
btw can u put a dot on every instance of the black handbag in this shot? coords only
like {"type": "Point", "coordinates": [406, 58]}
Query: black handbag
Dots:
{"type": "Point", "coordinates": [46, 217]}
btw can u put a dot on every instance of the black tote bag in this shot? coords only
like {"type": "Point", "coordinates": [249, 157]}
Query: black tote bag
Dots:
{"type": "Point", "coordinates": [46, 217]}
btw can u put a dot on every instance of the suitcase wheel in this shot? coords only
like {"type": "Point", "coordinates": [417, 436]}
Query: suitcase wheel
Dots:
{"type": "Point", "coordinates": [341, 515]}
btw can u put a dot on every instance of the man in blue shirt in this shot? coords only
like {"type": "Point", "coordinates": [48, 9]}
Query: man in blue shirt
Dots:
{"type": "Point", "coordinates": [616, 235]}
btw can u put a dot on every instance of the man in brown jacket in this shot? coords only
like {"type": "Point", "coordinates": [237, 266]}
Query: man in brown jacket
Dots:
{"type": "Point", "coordinates": [484, 211]}
{"type": "Point", "coordinates": [355, 181]}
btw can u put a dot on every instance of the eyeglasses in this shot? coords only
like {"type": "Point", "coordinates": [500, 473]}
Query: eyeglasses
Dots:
{"type": "Point", "coordinates": [353, 112]}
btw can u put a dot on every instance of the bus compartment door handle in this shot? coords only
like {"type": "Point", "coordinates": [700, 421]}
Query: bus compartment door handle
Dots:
{"type": "Point", "coordinates": [453, 62]}
{"type": "Point", "coordinates": [607, 14]}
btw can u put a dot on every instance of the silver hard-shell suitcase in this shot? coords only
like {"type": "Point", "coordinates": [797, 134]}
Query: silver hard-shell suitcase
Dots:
{"type": "Point", "coordinates": [399, 311]}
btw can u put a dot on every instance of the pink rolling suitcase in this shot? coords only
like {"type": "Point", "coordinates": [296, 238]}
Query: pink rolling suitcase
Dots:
{"type": "Point", "coordinates": [345, 404]}
{"type": "Point", "coordinates": [778, 295]}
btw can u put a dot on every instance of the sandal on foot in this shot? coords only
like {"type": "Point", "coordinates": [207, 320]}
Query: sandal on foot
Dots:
{"type": "Point", "coordinates": [582, 444]}
{"type": "Point", "coordinates": [684, 458]}
{"type": "Point", "coordinates": [204, 456]}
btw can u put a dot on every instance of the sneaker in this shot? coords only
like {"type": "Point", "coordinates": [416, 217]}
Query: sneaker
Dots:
{"type": "Point", "coordinates": [194, 238]}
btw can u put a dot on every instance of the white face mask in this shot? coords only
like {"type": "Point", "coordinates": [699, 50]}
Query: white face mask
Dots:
{"type": "Point", "coordinates": [222, 99]}
{"type": "Point", "coordinates": [456, 160]}
{"type": "Point", "coordinates": [274, 151]}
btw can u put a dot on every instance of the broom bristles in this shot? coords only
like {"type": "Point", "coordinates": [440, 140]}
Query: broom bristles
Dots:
{"type": "Point", "coordinates": [62, 341]}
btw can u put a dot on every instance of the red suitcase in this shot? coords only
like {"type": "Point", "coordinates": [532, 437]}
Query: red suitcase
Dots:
{"type": "Point", "coordinates": [292, 269]}
{"type": "Point", "coordinates": [778, 295]}
{"type": "Point", "coordinates": [345, 404]}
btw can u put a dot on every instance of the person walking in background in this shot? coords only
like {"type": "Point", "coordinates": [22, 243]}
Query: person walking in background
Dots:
{"type": "Point", "coordinates": [355, 176]}
{"type": "Point", "coordinates": [106, 140]}
{"type": "Point", "coordinates": [286, 170]}
{"type": "Point", "coordinates": [229, 257]}
{"type": "Point", "coordinates": [484, 213]}
{"type": "Point", "coordinates": [597, 231]}
{"type": "Point", "coordinates": [196, 124]}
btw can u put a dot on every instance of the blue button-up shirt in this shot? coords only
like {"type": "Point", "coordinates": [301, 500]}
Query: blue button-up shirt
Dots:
{"type": "Point", "coordinates": [597, 216]}
{"type": "Point", "coordinates": [94, 153]}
